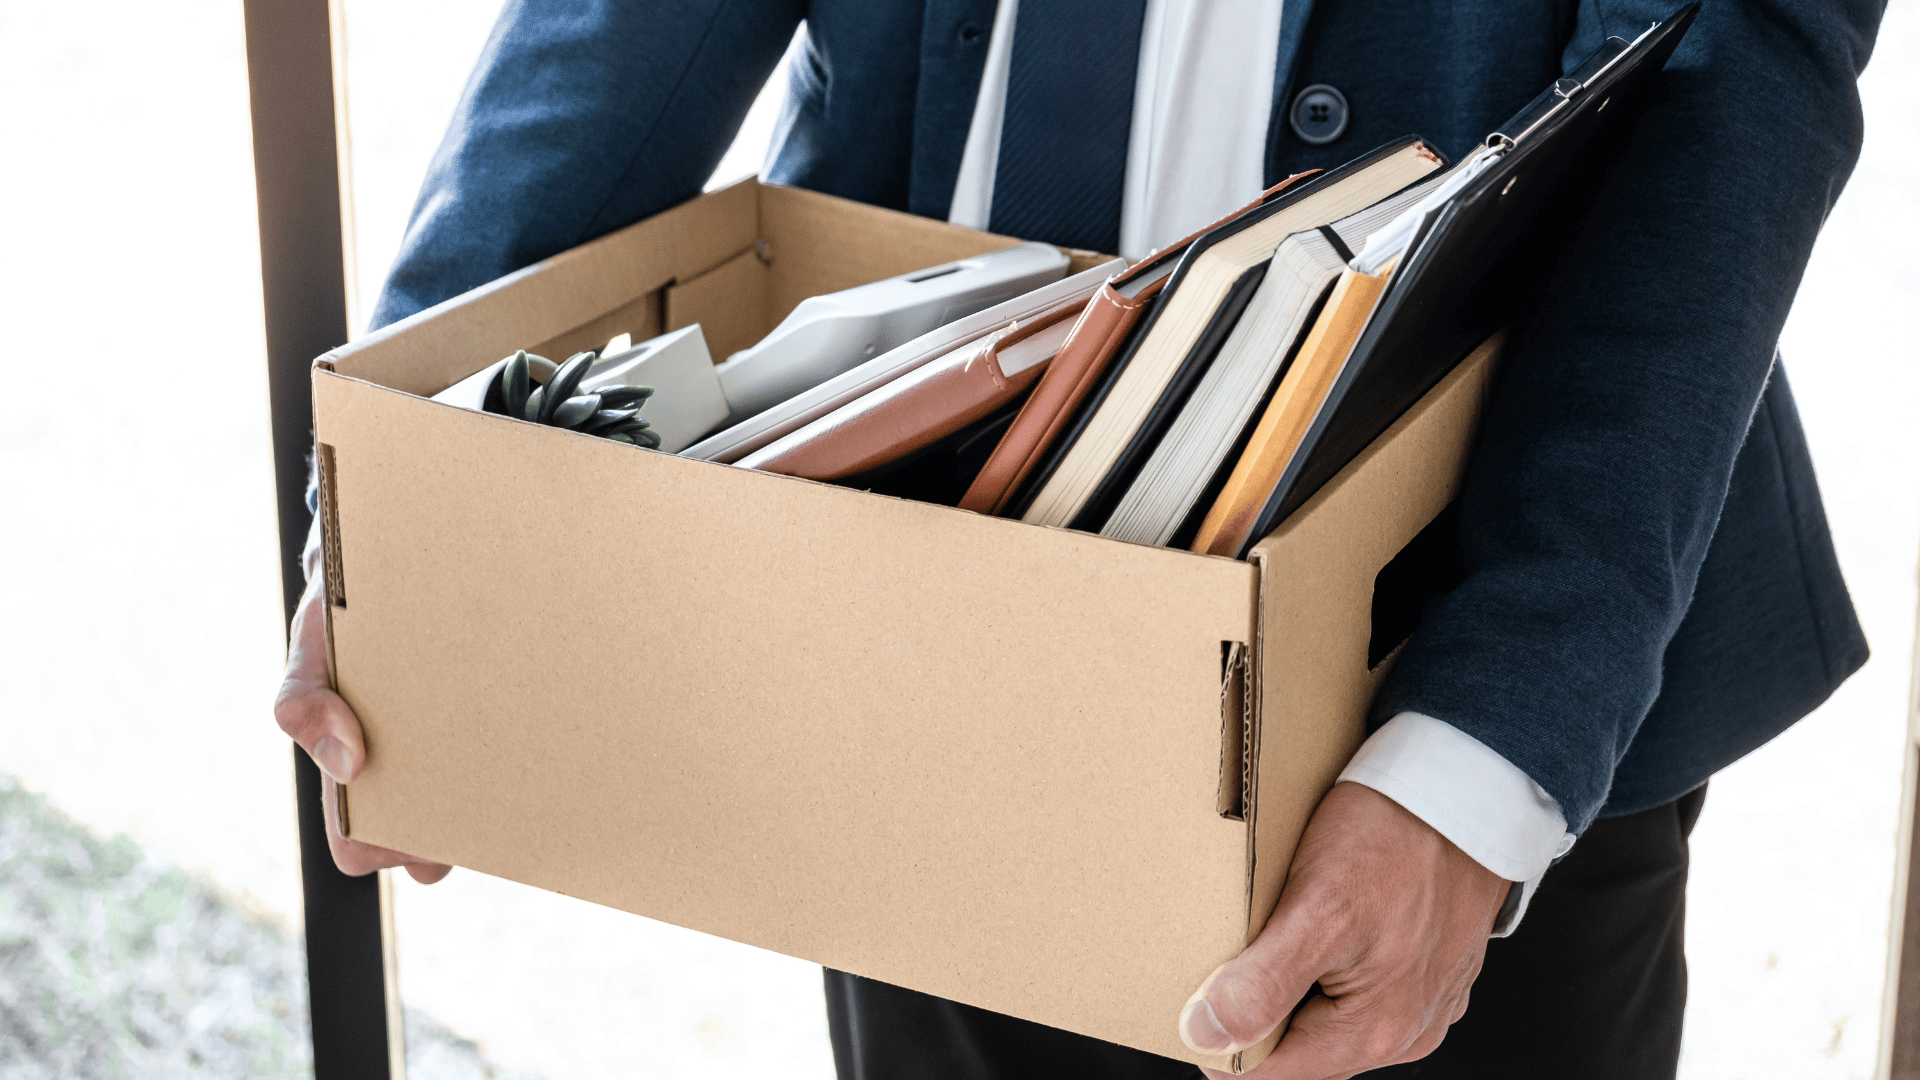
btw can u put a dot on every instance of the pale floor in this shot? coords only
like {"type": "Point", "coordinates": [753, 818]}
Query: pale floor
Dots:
{"type": "Point", "coordinates": [139, 642]}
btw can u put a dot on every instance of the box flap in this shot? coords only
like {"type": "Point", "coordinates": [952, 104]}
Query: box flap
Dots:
{"type": "Point", "coordinates": [427, 352]}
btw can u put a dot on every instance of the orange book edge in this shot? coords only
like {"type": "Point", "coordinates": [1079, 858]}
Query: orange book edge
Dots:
{"type": "Point", "coordinates": [1295, 402]}
{"type": "Point", "coordinates": [1102, 330]}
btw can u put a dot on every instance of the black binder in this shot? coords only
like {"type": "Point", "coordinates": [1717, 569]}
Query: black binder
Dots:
{"type": "Point", "coordinates": [1174, 396]}
{"type": "Point", "coordinates": [1465, 264]}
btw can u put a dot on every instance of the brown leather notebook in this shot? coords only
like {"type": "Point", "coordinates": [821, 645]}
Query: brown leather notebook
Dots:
{"type": "Point", "coordinates": [1096, 339]}
{"type": "Point", "coordinates": [923, 406]}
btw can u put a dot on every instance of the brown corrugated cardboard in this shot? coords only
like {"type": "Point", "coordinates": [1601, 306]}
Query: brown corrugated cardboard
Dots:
{"type": "Point", "coordinates": [995, 762]}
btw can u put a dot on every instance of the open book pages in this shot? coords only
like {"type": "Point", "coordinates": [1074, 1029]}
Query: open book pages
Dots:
{"type": "Point", "coordinates": [1190, 306]}
{"type": "Point", "coordinates": [1295, 401]}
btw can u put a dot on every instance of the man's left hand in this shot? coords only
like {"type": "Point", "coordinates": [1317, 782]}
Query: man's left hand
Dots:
{"type": "Point", "coordinates": [1387, 916]}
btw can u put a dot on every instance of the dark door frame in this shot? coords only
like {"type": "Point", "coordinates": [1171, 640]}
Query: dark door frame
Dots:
{"type": "Point", "coordinates": [291, 74]}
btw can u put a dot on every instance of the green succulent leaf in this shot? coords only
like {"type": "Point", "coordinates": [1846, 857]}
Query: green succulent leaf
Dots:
{"type": "Point", "coordinates": [537, 389]}
{"type": "Point", "coordinates": [561, 386]}
{"type": "Point", "coordinates": [605, 418]}
{"type": "Point", "coordinates": [635, 430]}
{"type": "Point", "coordinates": [575, 411]}
{"type": "Point", "coordinates": [624, 397]}
{"type": "Point", "coordinates": [515, 384]}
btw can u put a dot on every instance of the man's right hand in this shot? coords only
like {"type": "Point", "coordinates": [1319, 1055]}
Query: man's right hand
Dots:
{"type": "Point", "coordinates": [318, 719]}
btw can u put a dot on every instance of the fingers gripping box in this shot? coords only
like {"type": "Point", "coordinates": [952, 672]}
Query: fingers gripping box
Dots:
{"type": "Point", "coordinates": [1037, 771]}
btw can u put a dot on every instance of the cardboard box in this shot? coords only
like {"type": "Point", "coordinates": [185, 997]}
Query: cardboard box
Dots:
{"type": "Point", "coordinates": [1030, 769]}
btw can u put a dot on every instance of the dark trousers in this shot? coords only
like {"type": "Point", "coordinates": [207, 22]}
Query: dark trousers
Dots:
{"type": "Point", "coordinates": [1592, 987]}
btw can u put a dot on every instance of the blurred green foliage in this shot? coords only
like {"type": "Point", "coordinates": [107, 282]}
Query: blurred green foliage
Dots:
{"type": "Point", "coordinates": [113, 964]}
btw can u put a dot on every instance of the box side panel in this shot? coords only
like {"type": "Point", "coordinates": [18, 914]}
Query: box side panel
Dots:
{"type": "Point", "coordinates": [956, 753]}
{"type": "Point", "coordinates": [819, 244]}
{"type": "Point", "coordinates": [1317, 578]}
{"type": "Point", "coordinates": [639, 317]}
{"type": "Point", "coordinates": [430, 351]}
{"type": "Point", "coordinates": [727, 301]}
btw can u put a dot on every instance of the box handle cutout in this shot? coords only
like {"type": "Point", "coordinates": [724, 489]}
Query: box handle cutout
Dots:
{"type": "Point", "coordinates": [330, 529]}
{"type": "Point", "coordinates": [1428, 568]}
{"type": "Point", "coordinates": [1236, 730]}
{"type": "Point", "coordinates": [340, 810]}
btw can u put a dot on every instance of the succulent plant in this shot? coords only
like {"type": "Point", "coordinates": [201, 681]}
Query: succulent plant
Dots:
{"type": "Point", "coordinates": [537, 389]}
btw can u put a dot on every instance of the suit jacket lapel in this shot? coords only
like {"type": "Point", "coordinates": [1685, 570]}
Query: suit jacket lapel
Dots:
{"type": "Point", "coordinates": [1294, 16]}
{"type": "Point", "coordinates": [953, 53]}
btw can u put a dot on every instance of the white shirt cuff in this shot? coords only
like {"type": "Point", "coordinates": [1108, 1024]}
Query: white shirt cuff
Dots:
{"type": "Point", "coordinates": [1486, 805]}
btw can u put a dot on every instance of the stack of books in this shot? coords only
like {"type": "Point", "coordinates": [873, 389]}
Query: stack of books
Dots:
{"type": "Point", "coordinates": [1194, 399]}
{"type": "Point", "coordinates": [1203, 394]}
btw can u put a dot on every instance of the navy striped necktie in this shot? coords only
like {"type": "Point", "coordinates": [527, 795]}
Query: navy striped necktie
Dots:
{"type": "Point", "coordinates": [1063, 141]}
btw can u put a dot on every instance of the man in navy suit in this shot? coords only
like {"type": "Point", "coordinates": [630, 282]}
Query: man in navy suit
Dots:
{"type": "Point", "coordinates": [1651, 590]}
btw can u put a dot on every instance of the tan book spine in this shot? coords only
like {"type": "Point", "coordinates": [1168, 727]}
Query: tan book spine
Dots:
{"type": "Point", "coordinates": [1103, 325]}
{"type": "Point", "coordinates": [1291, 412]}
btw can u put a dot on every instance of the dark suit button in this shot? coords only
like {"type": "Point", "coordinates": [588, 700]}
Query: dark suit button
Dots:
{"type": "Point", "coordinates": [970, 32]}
{"type": "Point", "coordinates": [1319, 114]}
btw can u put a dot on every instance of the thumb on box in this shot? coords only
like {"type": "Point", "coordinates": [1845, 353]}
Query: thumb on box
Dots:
{"type": "Point", "coordinates": [306, 708]}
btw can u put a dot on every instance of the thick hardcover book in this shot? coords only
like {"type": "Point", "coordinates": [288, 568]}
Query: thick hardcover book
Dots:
{"type": "Point", "coordinates": [1196, 450]}
{"type": "Point", "coordinates": [1100, 502]}
{"type": "Point", "coordinates": [1102, 332]}
{"type": "Point", "coordinates": [1148, 384]}
{"type": "Point", "coordinates": [1284, 420]}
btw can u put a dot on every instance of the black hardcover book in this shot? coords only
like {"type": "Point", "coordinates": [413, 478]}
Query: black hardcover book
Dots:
{"type": "Point", "coordinates": [1196, 514]}
{"type": "Point", "coordinates": [1174, 398]}
{"type": "Point", "coordinates": [1469, 263]}
{"type": "Point", "coordinates": [1215, 334]}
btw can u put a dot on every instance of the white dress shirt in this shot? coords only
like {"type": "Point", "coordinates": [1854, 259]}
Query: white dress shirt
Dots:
{"type": "Point", "coordinates": [1197, 151]}
{"type": "Point", "coordinates": [1198, 147]}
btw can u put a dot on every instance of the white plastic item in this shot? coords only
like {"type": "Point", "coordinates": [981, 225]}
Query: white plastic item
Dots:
{"type": "Point", "coordinates": [471, 392]}
{"type": "Point", "coordinates": [686, 402]}
{"type": "Point", "coordinates": [737, 440]}
{"type": "Point", "coordinates": [827, 335]}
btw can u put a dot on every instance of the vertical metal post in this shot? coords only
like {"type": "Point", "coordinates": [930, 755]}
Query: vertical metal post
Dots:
{"type": "Point", "coordinates": [303, 274]}
{"type": "Point", "coordinates": [1900, 1003]}
{"type": "Point", "coordinates": [1900, 1000]}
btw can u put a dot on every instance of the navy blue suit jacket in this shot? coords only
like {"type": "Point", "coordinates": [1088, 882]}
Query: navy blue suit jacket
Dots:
{"type": "Point", "coordinates": [1652, 591]}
